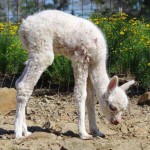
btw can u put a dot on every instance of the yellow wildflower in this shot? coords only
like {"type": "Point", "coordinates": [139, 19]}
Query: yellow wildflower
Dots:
{"type": "Point", "coordinates": [148, 64]}
{"type": "Point", "coordinates": [1, 26]}
{"type": "Point", "coordinates": [97, 22]}
{"type": "Point", "coordinates": [104, 18]}
{"type": "Point", "coordinates": [12, 45]}
{"type": "Point", "coordinates": [147, 25]}
{"type": "Point", "coordinates": [122, 33]}
{"type": "Point", "coordinates": [12, 32]}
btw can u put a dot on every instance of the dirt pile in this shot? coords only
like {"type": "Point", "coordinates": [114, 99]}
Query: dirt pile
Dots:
{"type": "Point", "coordinates": [7, 100]}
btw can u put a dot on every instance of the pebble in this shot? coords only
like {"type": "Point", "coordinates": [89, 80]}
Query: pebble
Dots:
{"type": "Point", "coordinates": [124, 129]}
{"type": "Point", "coordinates": [44, 100]}
{"type": "Point", "coordinates": [28, 110]}
{"type": "Point", "coordinates": [144, 99]}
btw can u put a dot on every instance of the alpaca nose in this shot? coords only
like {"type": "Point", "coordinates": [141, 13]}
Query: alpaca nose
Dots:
{"type": "Point", "coordinates": [115, 121]}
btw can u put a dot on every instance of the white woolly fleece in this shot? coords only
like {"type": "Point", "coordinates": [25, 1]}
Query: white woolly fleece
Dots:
{"type": "Point", "coordinates": [54, 32]}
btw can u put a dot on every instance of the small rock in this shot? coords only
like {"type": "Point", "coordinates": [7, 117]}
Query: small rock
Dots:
{"type": "Point", "coordinates": [131, 129]}
{"type": "Point", "coordinates": [50, 97]}
{"type": "Point", "coordinates": [65, 117]}
{"type": "Point", "coordinates": [49, 125]}
{"type": "Point", "coordinates": [59, 103]}
{"type": "Point", "coordinates": [29, 111]}
{"type": "Point", "coordinates": [44, 100]}
{"type": "Point", "coordinates": [2, 119]}
{"type": "Point", "coordinates": [141, 132]}
{"type": "Point", "coordinates": [4, 137]}
{"type": "Point", "coordinates": [144, 99]}
{"type": "Point", "coordinates": [124, 129]}
{"type": "Point", "coordinates": [135, 128]}
{"type": "Point", "coordinates": [148, 137]}
{"type": "Point", "coordinates": [39, 135]}
{"type": "Point", "coordinates": [7, 100]}
{"type": "Point", "coordinates": [77, 144]}
{"type": "Point", "coordinates": [70, 126]}
{"type": "Point", "coordinates": [133, 120]}
{"type": "Point", "coordinates": [107, 131]}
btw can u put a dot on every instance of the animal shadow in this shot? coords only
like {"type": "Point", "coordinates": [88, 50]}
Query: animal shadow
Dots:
{"type": "Point", "coordinates": [3, 131]}
{"type": "Point", "coordinates": [32, 129]}
{"type": "Point", "coordinates": [68, 133]}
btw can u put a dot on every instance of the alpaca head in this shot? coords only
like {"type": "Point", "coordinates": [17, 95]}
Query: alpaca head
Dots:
{"type": "Point", "coordinates": [115, 100]}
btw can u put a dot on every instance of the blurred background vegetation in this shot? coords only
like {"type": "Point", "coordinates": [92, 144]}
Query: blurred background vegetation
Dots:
{"type": "Point", "coordinates": [126, 25]}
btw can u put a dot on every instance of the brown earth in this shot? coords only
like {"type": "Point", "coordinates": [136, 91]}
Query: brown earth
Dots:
{"type": "Point", "coordinates": [53, 121]}
{"type": "Point", "coordinates": [7, 100]}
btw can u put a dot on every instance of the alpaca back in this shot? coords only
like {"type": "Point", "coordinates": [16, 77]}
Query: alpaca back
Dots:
{"type": "Point", "coordinates": [69, 34]}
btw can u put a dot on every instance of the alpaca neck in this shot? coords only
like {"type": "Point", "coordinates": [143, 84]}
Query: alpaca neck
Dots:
{"type": "Point", "coordinates": [100, 79]}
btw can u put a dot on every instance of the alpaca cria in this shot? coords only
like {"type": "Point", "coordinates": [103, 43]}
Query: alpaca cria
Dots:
{"type": "Point", "coordinates": [54, 32]}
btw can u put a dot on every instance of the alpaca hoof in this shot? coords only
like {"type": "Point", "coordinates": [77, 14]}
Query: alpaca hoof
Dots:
{"type": "Point", "coordinates": [27, 134]}
{"type": "Point", "coordinates": [18, 136]}
{"type": "Point", "coordinates": [86, 137]}
{"type": "Point", "coordinates": [97, 133]}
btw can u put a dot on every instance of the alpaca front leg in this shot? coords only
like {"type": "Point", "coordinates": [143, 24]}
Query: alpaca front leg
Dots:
{"type": "Point", "coordinates": [81, 120]}
{"type": "Point", "coordinates": [80, 93]}
{"type": "Point", "coordinates": [91, 111]}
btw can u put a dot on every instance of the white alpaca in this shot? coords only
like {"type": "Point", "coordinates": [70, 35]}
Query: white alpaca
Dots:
{"type": "Point", "coordinates": [52, 31]}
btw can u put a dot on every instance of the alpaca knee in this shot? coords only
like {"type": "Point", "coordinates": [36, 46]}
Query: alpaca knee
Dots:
{"type": "Point", "coordinates": [23, 92]}
{"type": "Point", "coordinates": [19, 85]}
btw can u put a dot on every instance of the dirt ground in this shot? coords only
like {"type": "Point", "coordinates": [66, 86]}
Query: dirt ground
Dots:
{"type": "Point", "coordinates": [53, 121]}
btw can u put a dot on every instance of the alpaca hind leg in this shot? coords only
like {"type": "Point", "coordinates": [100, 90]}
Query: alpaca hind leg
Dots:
{"type": "Point", "coordinates": [81, 74]}
{"type": "Point", "coordinates": [24, 126]}
{"type": "Point", "coordinates": [35, 67]}
{"type": "Point", "coordinates": [91, 110]}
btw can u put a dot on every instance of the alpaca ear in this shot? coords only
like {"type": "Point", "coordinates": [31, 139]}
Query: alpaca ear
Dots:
{"type": "Point", "coordinates": [127, 85]}
{"type": "Point", "coordinates": [112, 84]}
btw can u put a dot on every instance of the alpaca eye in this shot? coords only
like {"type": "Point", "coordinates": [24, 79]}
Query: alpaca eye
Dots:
{"type": "Point", "coordinates": [112, 108]}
